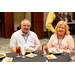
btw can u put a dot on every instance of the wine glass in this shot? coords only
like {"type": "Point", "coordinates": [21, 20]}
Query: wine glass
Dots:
{"type": "Point", "coordinates": [72, 55]}
{"type": "Point", "coordinates": [23, 50]}
{"type": "Point", "coordinates": [18, 51]}
{"type": "Point", "coordinates": [43, 46]}
{"type": "Point", "coordinates": [45, 50]}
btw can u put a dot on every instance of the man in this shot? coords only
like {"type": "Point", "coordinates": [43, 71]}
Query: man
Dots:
{"type": "Point", "coordinates": [52, 19]}
{"type": "Point", "coordinates": [24, 37]}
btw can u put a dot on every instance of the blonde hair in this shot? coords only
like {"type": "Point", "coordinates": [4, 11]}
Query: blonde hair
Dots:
{"type": "Point", "coordinates": [67, 32]}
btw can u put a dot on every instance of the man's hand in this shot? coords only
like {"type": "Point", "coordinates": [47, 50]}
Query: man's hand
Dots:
{"type": "Point", "coordinates": [13, 49]}
{"type": "Point", "coordinates": [37, 47]}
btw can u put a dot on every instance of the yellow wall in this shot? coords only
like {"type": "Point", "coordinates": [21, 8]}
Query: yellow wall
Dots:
{"type": "Point", "coordinates": [18, 17]}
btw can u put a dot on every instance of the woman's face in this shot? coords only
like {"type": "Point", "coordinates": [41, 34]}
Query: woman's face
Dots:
{"type": "Point", "coordinates": [61, 29]}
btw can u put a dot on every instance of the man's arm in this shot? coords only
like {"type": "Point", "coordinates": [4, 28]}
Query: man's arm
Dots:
{"type": "Point", "coordinates": [13, 43]}
{"type": "Point", "coordinates": [37, 47]}
{"type": "Point", "coordinates": [36, 43]}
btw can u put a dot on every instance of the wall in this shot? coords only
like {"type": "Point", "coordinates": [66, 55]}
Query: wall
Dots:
{"type": "Point", "coordinates": [18, 17]}
{"type": "Point", "coordinates": [45, 18]}
{"type": "Point", "coordinates": [28, 16]}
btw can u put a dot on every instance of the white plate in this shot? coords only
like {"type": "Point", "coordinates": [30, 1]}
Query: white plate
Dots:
{"type": "Point", "coordinates": [51, 56]}
{"type": "Point", "coordinates": [55, 50]}
{"type": "Point", "coordinates": [3, 54]}
{"type": "Point", "coordinates": [29, 55]}
{"type": "Point", "coordinates": [4, 60]}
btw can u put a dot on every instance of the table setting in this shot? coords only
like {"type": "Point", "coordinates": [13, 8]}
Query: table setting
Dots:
{"type": "Point", "coordinates": [32, 55]}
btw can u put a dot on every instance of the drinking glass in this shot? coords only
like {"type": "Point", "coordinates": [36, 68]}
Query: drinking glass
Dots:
{"type": "Point", "coordinates": [45, 50]}
{"type": "Point", "coordinates": [43, 46]}
{"type": "Point", "coordinates": [23, 50]}
{"type": "Point", "coordinates": [72, 55]}
{"type": "Point", "coordinates": [18, 51]}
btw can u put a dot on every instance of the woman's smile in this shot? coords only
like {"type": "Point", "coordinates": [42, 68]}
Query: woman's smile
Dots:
{"type": "Point", "coordinates": [61, 29]}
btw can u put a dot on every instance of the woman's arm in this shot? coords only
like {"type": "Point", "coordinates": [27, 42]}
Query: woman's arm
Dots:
{"type": "Point", "coordinates": [70, 43]}
{"type": "Point", "coordinates": [51, 41]}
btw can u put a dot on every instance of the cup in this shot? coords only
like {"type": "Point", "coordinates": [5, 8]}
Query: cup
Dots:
{"type": "Point", "coordinates": [18, 51]}
{"type": "Point", "coordinates": [43, 46]}
{"type": "Point", "coordinates": [23, 50]}
{"type": "Point", "coordinates": [72, 55]}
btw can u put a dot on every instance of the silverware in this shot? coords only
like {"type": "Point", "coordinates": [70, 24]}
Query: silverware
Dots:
{"type": "Point", "coordinates": [48, 53]}
{"type": "Point", "coordinates": [7, 56]}
{"type": "Point", "coordinates": [46, 60]}
{"type": "Point", "coordinates": [64, 53]}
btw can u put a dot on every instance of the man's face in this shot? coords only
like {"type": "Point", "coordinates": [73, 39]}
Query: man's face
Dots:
{"type": "Point", "coordinates": [25, 27]}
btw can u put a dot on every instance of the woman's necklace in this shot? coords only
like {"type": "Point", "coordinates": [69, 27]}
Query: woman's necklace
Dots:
{"type": "Point", "coordinates": [60, 41]}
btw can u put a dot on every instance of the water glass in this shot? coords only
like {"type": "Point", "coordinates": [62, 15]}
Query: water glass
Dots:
{"type": "Point", "coordinates": [23, 50]}
{"type": "Point", "coordinates": [72, 55]}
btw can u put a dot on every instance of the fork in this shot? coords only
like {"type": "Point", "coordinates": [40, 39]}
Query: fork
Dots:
{"type": "Point", "coordinates": [64, 54]}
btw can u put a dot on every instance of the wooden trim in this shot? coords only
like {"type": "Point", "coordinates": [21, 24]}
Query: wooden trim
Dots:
{"type": "Point", "coordinates": [9, 24]}
{"type": "Point", "coordinates": [1, 24]}
{"type": "Point", "coordinates": [37, 23]}
{"type": "Point", "coordinates": [5, 21]}
{"type": "Point", "coordinates": [73, 15]}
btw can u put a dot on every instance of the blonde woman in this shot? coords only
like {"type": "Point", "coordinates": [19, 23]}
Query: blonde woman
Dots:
{"type": "Point", "coordinates": [61, 39]}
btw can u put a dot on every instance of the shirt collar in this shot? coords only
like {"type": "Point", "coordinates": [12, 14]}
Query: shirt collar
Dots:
{"type": "Point", "coordinates": [27, 33]}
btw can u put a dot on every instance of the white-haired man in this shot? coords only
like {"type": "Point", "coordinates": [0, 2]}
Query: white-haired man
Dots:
{"type": "Point", "coordinates": [24, 37]}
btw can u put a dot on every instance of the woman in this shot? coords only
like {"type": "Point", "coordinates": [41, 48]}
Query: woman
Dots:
{"type": "Point", "coordinates": [61, 39]}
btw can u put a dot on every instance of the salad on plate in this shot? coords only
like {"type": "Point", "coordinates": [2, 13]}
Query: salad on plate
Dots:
{"type": "Point", "coordinates": [2, 55]}
{"type": "Point", "coordinates": [30, 50]}
{"type": "Point", "coordinates": [55, 51]}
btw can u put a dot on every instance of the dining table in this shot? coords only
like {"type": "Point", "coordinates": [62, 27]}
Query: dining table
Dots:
{"type": "Point", "coordinates": [39, 58]}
